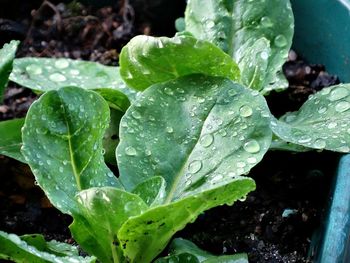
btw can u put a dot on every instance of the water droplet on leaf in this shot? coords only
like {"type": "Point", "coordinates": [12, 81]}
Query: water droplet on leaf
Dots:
{"type": "Point", "coordinates": [245, 111]}
{"type": "Point", "coordinates": [206, 140]}
{"type": "Point", "coordinates": [131, 151]}
{"type": "Point", "coordinates": [338, 93]}
{"type": "Point", "coordinates": [61, 64]}
{"type": "Point", "coordinates": [57, 77]}
{"type": "Point", "coordinates": [280, 41]}
{"type": "Point", "coordinates": [342, 106]}
{"type": "Point", "coordinates": [251, 146]}
{"type": "Point", "coordinates": [194, 166]}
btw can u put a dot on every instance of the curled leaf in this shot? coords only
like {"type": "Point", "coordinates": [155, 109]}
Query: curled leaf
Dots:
{"type": "Point", "coordinates": [146, 60]}
{"type": "Point", "coordinates": [321, 123]}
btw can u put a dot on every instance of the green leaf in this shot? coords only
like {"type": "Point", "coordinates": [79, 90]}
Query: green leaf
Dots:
{"type": "Point", "coordinates": [7, 55]}
{"type": "Point", "coordinates": [152, 191]}
{"type": "Point", "coordinates": [222, 133]}
{"type": "Point", "coordinates": [196, 132]}
{"type": "Point", "coordinates": [13, 248]}
{"type": "Point", "coordinates": [52, 247]}
{"type": "Point", "coordinates": [144, 237]}
{"type": "Point", "coordinates": [11, 139]}
{"type": "Point", "coordinates": [146, 60]}
{"type": "Point", "coordinates": [44, 74]}
{"type": "Point", "coordinates": [321, 123]}
{"type": "Point", "coordinates": [102, 213]}
{"type": "Point", "coordinates": [235, 26]}
{"type": "Point", "coordinates": [184, 251]}
{"type": "Point", "coordinates": [62, 143]}
{"type": "Point", "coordinates": [254, 65]}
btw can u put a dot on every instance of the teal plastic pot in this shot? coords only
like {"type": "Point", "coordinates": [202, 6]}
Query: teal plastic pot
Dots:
{"type": "Point", "coordinates": [322, 35]}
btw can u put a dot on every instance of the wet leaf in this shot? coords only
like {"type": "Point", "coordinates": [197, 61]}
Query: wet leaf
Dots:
{"type": "Point", "coordinates": [102, 211]}
{"type": "Point", "coordinates": [235, 26]}
{"type": "Point", "coordinates": [30, 249]}
{"type": "Point", "coordinates": [44, 74]}
{"type": "Point", "coordinates": [184, 251]}
{"type": "Point", "coordinates": [11, 139]}
{"type": "Point", "coordinates": [7, 55]}
{"type": "Point", "coordinates": [195, 132]}
{"type": "Point", "coordinates": [254, 65]}
{"type": "Point", "coordinates": [148, 60]}
{"type": "Point", "coordinates": [224, 131]}
{"type": "Point", "coordinates": [52, 247]}
{"type": "Point", "coordinates": [321, 123]}
{"type": "Point", "coordinates": [62, 143]}
{"type": "Point", "coordinates": [153, 229]}
{"type": "Point", "coordinates": [152, 190]}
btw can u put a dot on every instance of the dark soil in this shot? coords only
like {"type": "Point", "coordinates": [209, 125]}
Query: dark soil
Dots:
{"type": "Point", "coordinates": [274, 224]}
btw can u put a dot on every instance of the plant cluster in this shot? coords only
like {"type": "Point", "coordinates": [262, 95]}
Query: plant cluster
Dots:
{"type": "Point", "coordinates": [191, 119]}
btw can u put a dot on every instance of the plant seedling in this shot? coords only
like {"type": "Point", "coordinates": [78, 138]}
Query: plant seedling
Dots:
{"type": "Point", "coordinates": [197, 123]}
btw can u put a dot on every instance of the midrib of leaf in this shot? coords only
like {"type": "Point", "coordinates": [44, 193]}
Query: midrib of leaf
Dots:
{"type": "Point", "coordinates": [71, 152]}
{"type": "Point", "coordinates": [180, 173]}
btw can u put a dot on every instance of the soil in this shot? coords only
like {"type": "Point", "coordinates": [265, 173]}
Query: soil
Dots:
{"type": "Point", "coordinates": [274, 224]}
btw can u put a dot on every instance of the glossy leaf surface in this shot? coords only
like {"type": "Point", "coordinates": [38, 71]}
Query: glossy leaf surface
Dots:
{"type": "Point", "coordinates": [52, 247]}
{"type": "Point", "coordinates": [102, 211]}
{"type": "Point", "coordinates": [7, 55]}
{"type": "Point", "coordinates": [44, 74]}
{"type": "Point", "coordinates": [235, 26]}
{"type": "Point", "coordinates": [321, 123]}
{"type": "Point", "coordinates": [153, 229]}
{"type": "Point", "coordinates": [12, 247]}
{"type": "Point", "coordinates": [148, 60]}
{"type": "Point", "coordinates": [152, 190]}
{"type": "Point", "coordinates": [11, 138]}
{"type": "Point", "coordinates": [184, 251]}
{"type": "Point", "coordinates": [195, 132]}
{"type": "Point", "coordinates": [62, 143]}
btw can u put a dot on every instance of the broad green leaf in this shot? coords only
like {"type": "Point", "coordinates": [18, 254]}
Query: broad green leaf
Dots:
{"type": "Point", "coordinates": [184, 251]}
{"type": "Point", "coordinates": [146, 60]}
{"type": "Point", "coordinates": [44, 74]}
{"type": "Point", "coordinates": [195, 132]}
{"type": "Point", "coordinates": [11, 138]}
{"type": "Point", "coordinates": [144, 237]}
{"type": "Point", "coordinates": [62, 143]}
{"type": "Point", "coordinates": [53, 247]}
{"type": "Point", "coordinates": [321, 123]}
{"type": "Point", "coordinates": [7, 55]}
{"type": "Point", "coordinates": [102, 213]}
{"type": "Point", "coordinates": [152, 191]}
{"type": "Point", "coordinates": [254, 64]}
{"type": "Point", "coordinates": [236, 25]}
{"type": "Point", "coordinates": [13, 248]}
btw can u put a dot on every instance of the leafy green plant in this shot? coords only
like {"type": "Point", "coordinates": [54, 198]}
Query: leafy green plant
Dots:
{"type": "Point", "coordinates": [196, 124]}
{"type": "Point", "coordinates": [7, 55]}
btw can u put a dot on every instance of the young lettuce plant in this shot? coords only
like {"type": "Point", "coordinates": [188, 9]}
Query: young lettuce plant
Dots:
{"type": "Point", "coordinates": [186, 140]}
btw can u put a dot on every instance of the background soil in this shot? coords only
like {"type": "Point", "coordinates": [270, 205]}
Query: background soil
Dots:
{"type": "Point", "coordinates": [274, 224]}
